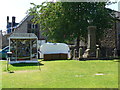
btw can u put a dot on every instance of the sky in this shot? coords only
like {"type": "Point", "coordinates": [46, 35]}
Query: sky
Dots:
{"type": "Point", "coordinates": [18, 8]}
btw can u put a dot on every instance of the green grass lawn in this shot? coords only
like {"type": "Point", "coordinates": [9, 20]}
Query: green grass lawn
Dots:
{"type": "Point", "coordinates": [63, 74]}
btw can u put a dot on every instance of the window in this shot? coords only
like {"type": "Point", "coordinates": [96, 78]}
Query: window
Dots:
{"type": "Point", "coordinates": [36, 26]}
{"type": "Point", "coordinates": [33, 26]}
{"type": "Point", "coordinates": [29, 26]}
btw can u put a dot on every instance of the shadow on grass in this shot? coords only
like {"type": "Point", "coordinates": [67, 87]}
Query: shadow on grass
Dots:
{"type": "Point", "coordinates": [56, 60]}
{"type": "Point", "coordinates": [26, 64]}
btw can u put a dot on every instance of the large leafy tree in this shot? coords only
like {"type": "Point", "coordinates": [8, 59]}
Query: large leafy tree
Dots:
{"type": "Point", "coordinates": [66, 21]}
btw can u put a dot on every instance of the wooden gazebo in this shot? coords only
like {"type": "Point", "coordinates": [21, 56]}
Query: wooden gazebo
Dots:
{"type": "Point", "coordinates": [23, 47]}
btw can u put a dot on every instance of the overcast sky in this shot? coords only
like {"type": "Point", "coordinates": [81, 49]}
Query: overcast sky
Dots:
{"type": "Point", "coordinates": [18, 8]}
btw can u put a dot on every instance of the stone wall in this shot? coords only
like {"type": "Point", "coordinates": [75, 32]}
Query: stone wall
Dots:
{"type": "Point", "coordinates": [118, 34]}
{"type": "Point", "coordinates": [1, 39]}
{"type": "Point", "coordinates": [22, 27]}
{"type": "Point", "coordinates": [26, 26]}
{"type": "Point", "coordinates": [108, 42]}
{"type": "Point", "coordinates": [5, 40]}
{"type": "Point", "coordinates": [108, 39]}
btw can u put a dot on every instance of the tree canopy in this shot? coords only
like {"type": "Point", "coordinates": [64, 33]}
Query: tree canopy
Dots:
{"type": "Point", "coordinates": [66, 21]}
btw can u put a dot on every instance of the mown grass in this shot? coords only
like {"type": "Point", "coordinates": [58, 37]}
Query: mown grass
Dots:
{"type": "Point", "coordinates": [0, 75]}
{"type": "Point", "coordinates": [63, 74]}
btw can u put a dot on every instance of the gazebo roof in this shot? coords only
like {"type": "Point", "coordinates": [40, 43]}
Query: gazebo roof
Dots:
{"type": "Point", "coordinates": [23, 36]}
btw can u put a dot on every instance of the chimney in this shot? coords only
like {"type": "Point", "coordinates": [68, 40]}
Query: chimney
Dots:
{"type": "Point", "coordinates": [13, 21]}
{"type": "Point", "coordinates": [0, 32]}
{"type": "Point", "coordinates": [7, 19]}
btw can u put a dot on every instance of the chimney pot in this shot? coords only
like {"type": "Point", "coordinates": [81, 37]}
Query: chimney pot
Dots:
{"type": "Point", "coordinates": [7, 19]}
{"type": "Point", "coordinates": [13, 21]}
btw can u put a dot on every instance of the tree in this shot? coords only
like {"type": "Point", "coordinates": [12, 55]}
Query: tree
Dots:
{"type": "Point", "coordinates": [65, 21]}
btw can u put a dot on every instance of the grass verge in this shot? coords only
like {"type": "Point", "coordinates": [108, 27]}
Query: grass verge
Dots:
{"type": "Point", "coordinates": [63, 74]}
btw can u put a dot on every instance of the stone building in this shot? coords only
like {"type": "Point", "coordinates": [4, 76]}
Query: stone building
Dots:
{"type": "Point", "coordinates": [111, 39]}
{"type": "Point", "coordinates": [118, 33]}
{"type": "Point", "coordinates": [1, 39]}
{"type": "Point", "coordinates": [25, 26]}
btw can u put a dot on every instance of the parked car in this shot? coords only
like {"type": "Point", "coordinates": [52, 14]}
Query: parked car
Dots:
{"type": "Point", "coordinates": [3, 52]}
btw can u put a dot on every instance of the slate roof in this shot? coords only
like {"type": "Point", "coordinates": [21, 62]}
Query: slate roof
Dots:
{"type": "Point", "coordinates": [23, 35]}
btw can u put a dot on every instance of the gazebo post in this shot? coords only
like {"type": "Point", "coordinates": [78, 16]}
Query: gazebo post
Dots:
{"type": "Point", "coordinates": [8, 58]}
{"type": "Point", "coordinates": [30, 49]}
{"type": "Point", "coordinates": [16, 50]}
{"type": "Point", "coordinates": [39, 66]}
{"type": "Point", "coordinates": [9, 55]}
{"type": "Point", "coordinates": [7, 65]}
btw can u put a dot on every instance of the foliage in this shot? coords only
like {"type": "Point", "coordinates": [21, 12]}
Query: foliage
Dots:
{"type": "Point", "coordinates": [61, 21]}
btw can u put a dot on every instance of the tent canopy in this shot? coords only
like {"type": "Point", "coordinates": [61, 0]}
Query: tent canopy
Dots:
{"type": "Point", "coordinates": [54, 48]}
